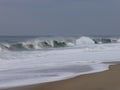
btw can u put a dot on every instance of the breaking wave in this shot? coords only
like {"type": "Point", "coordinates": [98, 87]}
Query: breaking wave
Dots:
{"type": "Point", "coordinates": [38, 44]}
{"type": "Point", "coordinates": [84, 40]}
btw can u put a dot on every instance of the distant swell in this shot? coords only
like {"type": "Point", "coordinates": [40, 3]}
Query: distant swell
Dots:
{"type": "Point", "coordinates": [38, 44]}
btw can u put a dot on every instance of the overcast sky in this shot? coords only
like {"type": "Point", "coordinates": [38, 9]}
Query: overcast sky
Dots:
{"type": "Point", "coordinates": [59, 17]}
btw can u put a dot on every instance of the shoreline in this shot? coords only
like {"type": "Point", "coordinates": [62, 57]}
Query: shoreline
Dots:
{"type": "Point", "coordinates": [105, 80]}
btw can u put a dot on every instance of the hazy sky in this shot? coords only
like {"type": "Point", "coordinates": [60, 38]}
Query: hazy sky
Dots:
{"type": "Point", "coordinates": [59, 17]}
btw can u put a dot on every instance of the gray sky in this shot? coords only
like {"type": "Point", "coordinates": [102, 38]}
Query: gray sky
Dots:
{"type": "Point", "coordinates": [59, 17]}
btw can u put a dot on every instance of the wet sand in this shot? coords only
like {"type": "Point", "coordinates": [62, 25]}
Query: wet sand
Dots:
{"type": "Point", "coordinates": [106, 80]}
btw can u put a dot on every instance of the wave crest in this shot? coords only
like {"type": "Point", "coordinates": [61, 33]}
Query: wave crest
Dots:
{"type": "Point", "coordinates": [84, 40]}
{"type": "Point", "coordinates": [38, 43]}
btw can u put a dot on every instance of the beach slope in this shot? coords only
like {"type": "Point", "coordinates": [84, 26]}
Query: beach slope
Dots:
{"type": "Point", "coordinates": [106, 80]}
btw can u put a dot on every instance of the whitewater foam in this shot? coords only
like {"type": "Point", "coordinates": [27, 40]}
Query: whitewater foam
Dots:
{"type": "Point", "coordinates": [38, 66]}
{"type": "Point", "coordinates": [84, 40]}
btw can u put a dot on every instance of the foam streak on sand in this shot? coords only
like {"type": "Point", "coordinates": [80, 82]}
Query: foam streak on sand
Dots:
{"type": "Point", "coordinates": [107, 80]}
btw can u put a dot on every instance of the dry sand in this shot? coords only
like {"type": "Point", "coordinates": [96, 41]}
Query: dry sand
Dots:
{"type": "Point", "coordinates": [106, 80]}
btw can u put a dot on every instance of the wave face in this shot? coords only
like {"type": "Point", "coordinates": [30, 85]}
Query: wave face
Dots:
{"type": "Point", "coordinates": [37, 44]}
{"type": "Point", "coordinates": [32, 60]}
{"type": "Point", "coordinates": [105, 40]}
{"type": "Point", "coordinates": [51, 43]}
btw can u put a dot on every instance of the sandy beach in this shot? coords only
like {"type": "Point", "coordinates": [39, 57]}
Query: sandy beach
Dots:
{"type": "Point", "coordinates": [106, 80]}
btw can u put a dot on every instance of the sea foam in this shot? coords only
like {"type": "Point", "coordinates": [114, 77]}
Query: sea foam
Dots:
{"type": "Point", "coordinates": [25, 67]}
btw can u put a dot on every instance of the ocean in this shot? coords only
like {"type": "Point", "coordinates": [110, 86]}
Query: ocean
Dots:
{"type": "Point", "coordinates": [26, 60]}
